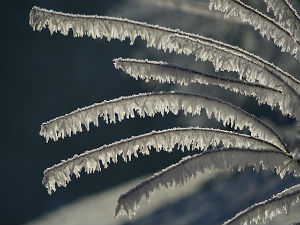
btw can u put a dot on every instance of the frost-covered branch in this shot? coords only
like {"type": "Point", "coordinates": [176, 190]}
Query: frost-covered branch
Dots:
{"type": "Point", "coordinates": [206, 162]}
{"type": "Point", "coordinates": [190, 46]}
{"type": "Point", "coordinates": [223, 56]}
{"type": "Point", "coordinates": [164, 72]}
{"type": "Point", "coordinates": [151, 103]}
{"type": "Point", "coordinates": [286, 16]}
{"type": "Point", "coordinates": [266, 26]}
{"type": "Point", "coordinates": [184, 138]}
{"type": "Point", "coordinates": [266, 210]}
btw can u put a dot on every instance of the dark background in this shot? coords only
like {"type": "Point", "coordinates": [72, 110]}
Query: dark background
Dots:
{"type": "Point", "coordinates": [44, 76]}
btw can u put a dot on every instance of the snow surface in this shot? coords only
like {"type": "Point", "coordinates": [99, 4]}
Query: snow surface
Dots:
{"type": "Point", "coordinates": [99, 208]}
{"type": "Point", "coordinates": [207, 199]}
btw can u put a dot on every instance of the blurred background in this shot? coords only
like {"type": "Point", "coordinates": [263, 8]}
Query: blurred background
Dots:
{"type": "Point", "coordinates": [44, 76]}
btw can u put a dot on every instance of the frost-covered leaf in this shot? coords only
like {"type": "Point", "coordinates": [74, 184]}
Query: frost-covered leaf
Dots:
{"type": "Point", "coordinates": [189, 138]}
{"type": "Point", "coordinates": [286, 16]}
{"type": "Point", "coordinates": [206, 162]}
{"type": "Point", "coordinates": [151, 103]}
{"type": "Point", "coordinates": [266, 26]}
{"type": "Point", "coordinates": [164, 72]}
{"type": "Point", "coordinates": [223, 56]}
{"type": "Point", "coordinates": [266, 210]}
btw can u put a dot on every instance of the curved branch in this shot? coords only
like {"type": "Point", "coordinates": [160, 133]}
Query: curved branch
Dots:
{"type": "Point", "coordinates": [189, 138]}
{"type": "Point", "coordinates": [267, 27]}
{"type": "Point", "coordinates": [223, 60]}
{"type": "Point", "coordinates": [151, 103]}
{"type": "Point", "coordinates": [164, 72]}
{"type": "Point", "coordinates": [215, 160]}
{"type": "Point", "coordinates": [286, 16]}
{"type": "Point", "coordinates": [249, 66]}
{"type": "Point", "coordinates": [266, 210]}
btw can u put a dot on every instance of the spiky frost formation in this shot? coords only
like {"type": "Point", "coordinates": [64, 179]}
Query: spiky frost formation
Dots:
{"type": "Point", "coordinates": [267, 210]}
{"type": "Point", "coordinates": [151, 103]}
{"type": "Point", "coordinates": [189, 138]}
{"type": "Point", "coordinates": [266, 26]}
{"type": "Point", "coordinates": [286, 16]}
{"type": "Point", "coordinates": [206, 162]}
{"type": "Point", "coordinates": [163, 72]}
{"type": "Point", "coordinates": [225, 57]}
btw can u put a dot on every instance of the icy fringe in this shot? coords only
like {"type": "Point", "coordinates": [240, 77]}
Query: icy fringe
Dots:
{"type": "Point", "coordinates": [184, 138]}
{"type": "Point", "coordinates": [151, 103]}
{"type": "Point", "coordinates": [266, 26]}
{"type": "Point", "coordinates": [267, 210]}
{"type": "Point", "coordinates": [223, 56]}
{"type": "Point", "coordinates": [286, 16]}
{"type": "Point", "coordinates": [163, 72]}
{"type": "Point", "coordinates": [206, 162]}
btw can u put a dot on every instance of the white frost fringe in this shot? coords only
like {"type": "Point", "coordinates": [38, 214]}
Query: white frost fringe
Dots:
{"type": "Point", "coordinates": [163, 72]}
{"type": "Point", "coordinates": [266, 26]}
{"type": "Point", "coordinates": [206, 162]}
{"type": "Point", "coordinates": [267, 210]}
{"type": "Point", "coordinates": [225, 57]}
{"type": "Point", "coordinates": [286, 16]}
{"type": "Point", "coordinates": [151, 103]}
{"type": "Point", "coordinates": [189, 138]}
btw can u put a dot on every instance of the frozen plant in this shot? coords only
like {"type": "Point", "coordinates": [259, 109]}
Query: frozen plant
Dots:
{"type": "Point", "coordinates": [267, 83]}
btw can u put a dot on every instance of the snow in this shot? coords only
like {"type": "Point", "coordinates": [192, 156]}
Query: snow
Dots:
{"type": "Point", "coordinates": [204, 163]}
{"type": "Point", "coordinates": [85, 210]}
{"type": "Point", "coordinates": [184, 138]}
